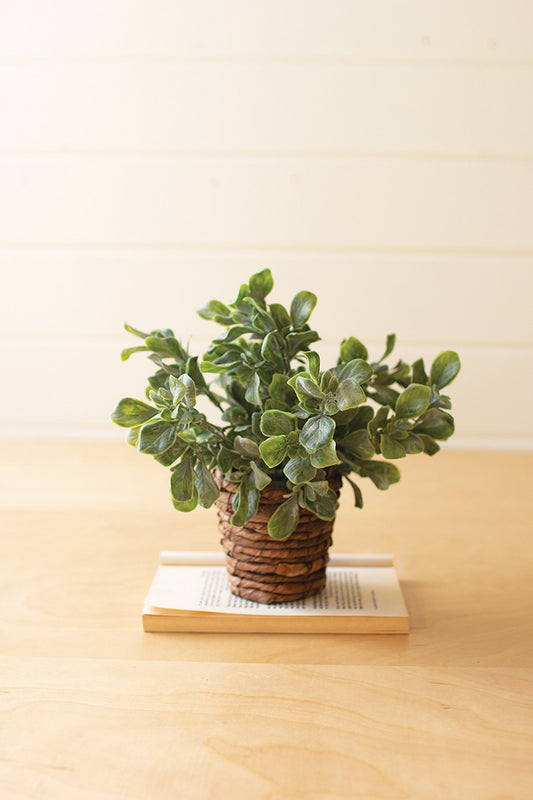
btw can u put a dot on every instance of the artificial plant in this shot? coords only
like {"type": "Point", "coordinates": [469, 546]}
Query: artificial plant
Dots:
{"type": "Point", "coordinates": [281, 418]}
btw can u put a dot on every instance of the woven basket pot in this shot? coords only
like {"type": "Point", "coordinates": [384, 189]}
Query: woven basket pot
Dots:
{"type": "Point", "coordinates": [269, 571]}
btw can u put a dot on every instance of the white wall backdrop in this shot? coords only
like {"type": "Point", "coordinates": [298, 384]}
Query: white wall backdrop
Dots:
{"type": "Point", "coordinates": [155, 153]}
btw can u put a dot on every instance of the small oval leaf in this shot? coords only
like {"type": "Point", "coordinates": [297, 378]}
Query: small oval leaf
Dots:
{"type": "Point", "coordinates": [130, 413]}
{"type": "Point", "coordinates": [349, 394]}
{"type": "Point", "coordinates": [277, 423]}
{"type": "Point", "coordinates": [413, 401]}
{"type": "Point", "coordinates": [325, 457]}
{"type": "Point", "coordinates": [390, 447]}
{"type": "Point", "coordinates": [445, 368]}
{"type": "Point", "coordinates": [299, 470]}
{"type": "Point", "coordinates": [317, 432]}
{"type": "Point", "coordinates": [301, 308]}
{"type": "Point", "coordinates": [156, 437]}
{"type": "Point", "coordinates": [284, 519]}
{"type": "Point", "coordinates": [352, 348]}
{"type": "Point", "coordinates": [261, 284]}
{"type": "Point", "coordinates": [273, 450]}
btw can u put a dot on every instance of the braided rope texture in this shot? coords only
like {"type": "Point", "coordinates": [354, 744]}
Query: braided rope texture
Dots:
{"type": "Point", "coordinates": [266, 570]}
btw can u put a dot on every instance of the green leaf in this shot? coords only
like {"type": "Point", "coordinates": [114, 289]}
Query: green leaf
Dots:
{"type": "Point", "coordinates": [445, 368]}
{"type": "Point", "coordinates": [130, 412]}
{"type": "Point", "coordinates": [325, 457]}
{"type": "Point", "coordinates": [317, 432]}
{"type": "Point", "coordinates": [358, 443]}
{"type": "Point", "coordinates": [162, 398]}
{"type": "Point", "coordinates": [299, 470]}
{"type": "Point", "coordinates": [349, 394]}
{"type": "Point", "coordinates": [231, 334]}
{"type": "Point", "coordinates": [252, 390]}
{"type": "Point", "coordinates": [384, 395]}
{"type": "Point", "coordinates": [262, 321]}
{"type": "Point", "coordinates": [389, 347]}
{"type": "Point", "coordinates": [354, 418]}
{"type": "Point", "coordinates": [261, 284]}
{"type": "Point", "coordinates": [413, 401]}
{"type": "Point", "coordinates": [277, 423]}
{"type": "Point", "coordinates": [313, 360]}
{"type": "Point", "coordinates": [213, 309]}
{"type": "Point", "coordinates": [357, 369]}
{"type": "Point", "coordinates": [209, 366]}
{"type": "Point", "coordinates": [190, 390]}
{"type": "Point", "coordinates": [226, 459]}
{"type": "Point", "coordinates": [272, 351]}
{"type": "Point", "coordinates": [302, 307]}
{"type": "Point", "coordinates": [284, 519]}
{"type": "Point", "coordinates": [430, 445]}
{"type": "Point", "coordinates": [413, 444]}
{"type": "Point", "coordinates": [187, 505]}
{"type": "Point", "coordinates": [280, 316]}
{"type": "Point", "coordinates": [167, 347]}
{"type": "Point", "coordinates": [274, 450]}
{"type": "Point", "coordinates": [133, 436]}
{"type": "Point", "coordinates": [172, 454]}
{"type": "Point", "coordinates": [135, 332]}
{"type": "Point", "coordinates": [208, 490]}
{"type": "Point", "coordinates": [193, 371]}
{"type": "Point", "coordinates": [352, 348]}
{"type": "Point", "coordinates": [281, 394]}
{"type": "Point", "coordinates": [246, 447]}
{"type": "Point", "coordinates": [177, 388]}
{"type": "Point", "coordinates": [182, 480]}
{"type": "Point", "coordinates": [358, 495]}
{"type": "Point", "coordinates": [246, 501]}
{"type": "Point", "coordinates": [259, 478]}
{"type": "Point", "coordinates": [322, 505]}
{"type": "Point", "coordinates": [436, 423]}
{"type": "Point", "coordinates": [381, 473]}
{"type": "Point", "coordinates": [129, 351]}
{"type": "Point", "coordinates": [390, 447]}
{"type": "Point", "coordinates": [419, 372]}
{"type": "Point", "coordinates": [329, 382]}
{"type": "Point", "coordinates": [300, 340]}
{"type": "Point", "coordinates": [304, 386]}
{"type": "Point", "coordinates": [378, 421]}
{"type": "Point", "coordinates": [317, 487]}
{"type": "Point", "coordinates": [244, 292]}
{"type": "Point", "coordinates": [156, 437]}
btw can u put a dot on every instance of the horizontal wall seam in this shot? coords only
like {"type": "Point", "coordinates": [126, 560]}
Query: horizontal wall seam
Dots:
{"type": "Point", "coordinates": [299, 155]}
{"type": "Point", "coordinates": [250, 250]}
{"type": "Point", "coordinates": [235, 247]}
{"type": "Point", "coordinates": [337, 61]}
{"type": "Point", "coordinates": [62, 153]}
{"type": "Point", "coordinates": [89, 340]}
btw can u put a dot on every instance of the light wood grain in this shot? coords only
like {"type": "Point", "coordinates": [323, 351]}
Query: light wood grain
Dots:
{"type": "Point", "coordinates": [92, 707]}
{"type": "Point", "coordinates": [134, 729]}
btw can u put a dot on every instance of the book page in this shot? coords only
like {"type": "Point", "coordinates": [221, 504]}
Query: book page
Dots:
{"type": "Point", "coordinates": [349, 591]}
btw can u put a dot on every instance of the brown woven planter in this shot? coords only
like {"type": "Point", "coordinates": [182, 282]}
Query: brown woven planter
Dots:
{"type": "Point", "coordinates": [263, 569]}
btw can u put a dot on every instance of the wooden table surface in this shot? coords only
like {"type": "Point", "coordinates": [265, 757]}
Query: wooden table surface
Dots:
{"type": "Point", "coordinates": [94, 708]}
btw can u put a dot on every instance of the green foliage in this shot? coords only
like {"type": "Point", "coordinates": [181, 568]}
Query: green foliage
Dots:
{"type": "Point", "coordinates": [282, 419]}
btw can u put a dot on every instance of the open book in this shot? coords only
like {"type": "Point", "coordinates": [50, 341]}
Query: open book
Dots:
{"type": "Point", "coordinates": [190, 592]}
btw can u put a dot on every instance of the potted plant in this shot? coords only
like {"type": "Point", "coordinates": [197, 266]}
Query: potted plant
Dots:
{"type": "Point", "coordinates": [286, 431]}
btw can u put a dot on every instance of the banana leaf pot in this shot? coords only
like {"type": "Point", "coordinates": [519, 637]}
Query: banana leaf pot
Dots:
{"type": "Point", "coordinates": [263, 569]}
